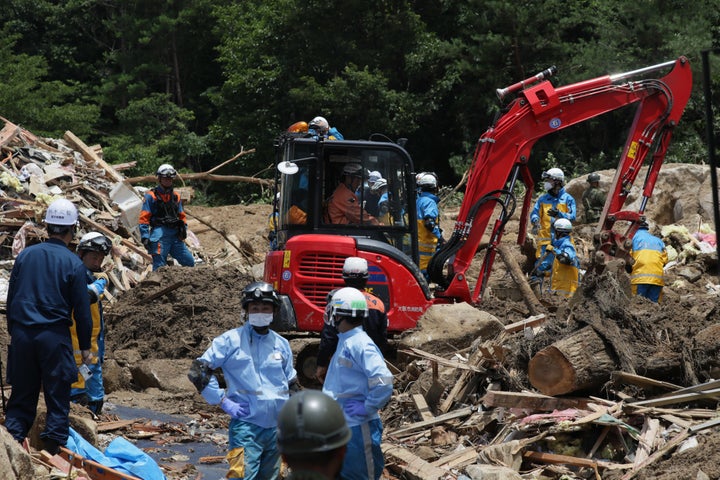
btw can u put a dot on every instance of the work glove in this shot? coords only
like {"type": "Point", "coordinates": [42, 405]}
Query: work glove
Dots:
{"type": "Point", "coordinates": [535, 229]}
{"type": "Point", "coordinates": [146, 243]}
{"type": "Point", "coordinates": [86, 356]}
{"type": "Point", "coordinates": [564, 258]}
{"type": "Point", "coordinates": [234, 409]}
{"type": "Point", "coordinates": [355, 408]}
{"type": "Point", "coordinates": [96, 289]}
{"type": "Point", "coordinates": [553, 212]}
{"type": "Point", "coordinates": [102, 275]}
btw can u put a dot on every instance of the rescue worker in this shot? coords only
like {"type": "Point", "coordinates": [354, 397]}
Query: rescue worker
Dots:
{"type": "Point", "coordinates": [343, 205]}
{"type": "Point", "coordinates": [48, 282]}
{"type": "Point", "coordinates": [428, 218]}
{"type": "Point", "coordinates": [320, 128]}
{"type": "Point", "coordinates": [312, 436]}
{"type": "Point", "coordinates": [371, 193]}
{"type": "Point", "coordinates": [355, 275]}
{"type": "Point", "coordinates": [561, 260]}
{"type": "Point", "coordinates": [360, 381]}
{"type": "Point", "coordinates": [257, 364]}
{"type": "Point", "coordinates": [649, 258]}
{"type": "Point", "coordinates": [556, 203]}
{"type": "Point", "coordinates": [593, 199]}
{"type": "Point", "coordinates": [163, 225]}
{"type": "Point", "coordinates": [92, 250]}
{"type": "Point", "coordinates": [380, 194]}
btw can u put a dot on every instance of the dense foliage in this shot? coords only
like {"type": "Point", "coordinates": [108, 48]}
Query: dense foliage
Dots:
{"type": "Point", "coordinates": [192, 82]}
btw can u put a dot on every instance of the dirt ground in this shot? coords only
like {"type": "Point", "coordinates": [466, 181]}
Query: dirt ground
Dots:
{"type": "Point", "coordinates": [204, 301]}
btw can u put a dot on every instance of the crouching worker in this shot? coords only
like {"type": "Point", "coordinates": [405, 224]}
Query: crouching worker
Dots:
{"type": "Point", "coordinates": [312, 435]}
{"type": "Point", "coordinates": [257, 364]}
{"type": "Point", "coordinates": [361, 382]}
{"type": "Point", "coordinates": [88, 390]}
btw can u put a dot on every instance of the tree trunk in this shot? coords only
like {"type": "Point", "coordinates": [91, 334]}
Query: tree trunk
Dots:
{"type": "Point", "coordinates": [579, 361]}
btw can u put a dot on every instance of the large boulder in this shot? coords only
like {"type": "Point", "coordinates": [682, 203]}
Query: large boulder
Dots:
{"type": "Point", "coordinates": [15, 463]}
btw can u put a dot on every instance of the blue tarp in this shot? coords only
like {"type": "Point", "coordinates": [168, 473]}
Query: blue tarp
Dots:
{"type": "Point", "coordinates": [120, 455]}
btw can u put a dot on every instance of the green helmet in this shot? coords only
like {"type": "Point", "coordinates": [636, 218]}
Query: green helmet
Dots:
{"type": "Point", "coordinates": [311, 422]}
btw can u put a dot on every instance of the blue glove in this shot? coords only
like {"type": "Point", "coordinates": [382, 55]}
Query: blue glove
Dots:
{"type": "Point", "coordinates": [234, 409]}
{"type": "Point", "coordinates": [355, 408]}
{"type": "Point", "coordinates": [96, 289]}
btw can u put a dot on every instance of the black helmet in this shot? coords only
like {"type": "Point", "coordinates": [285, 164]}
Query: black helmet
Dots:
{"type": "Point", "coordinates": [94, 242]}
{"type": "Point", "coordinates": [260, 292]}
{"type": "Point", "coordinates": [593, 177]}
{"type": "Point", "coordinates": [311, 422]}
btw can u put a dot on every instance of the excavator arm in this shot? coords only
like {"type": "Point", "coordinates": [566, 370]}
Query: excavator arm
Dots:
{"type": "Point", "coordinates": [503, 151]}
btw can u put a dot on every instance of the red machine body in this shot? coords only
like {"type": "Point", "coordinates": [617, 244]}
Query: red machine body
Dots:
{"type": "Point", "coordinates": [307, 262]}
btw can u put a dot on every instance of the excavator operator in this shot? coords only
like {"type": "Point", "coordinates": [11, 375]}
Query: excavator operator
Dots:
{"type": "Point", "coordinates": [552, 205]}
{"type": "Point", "coordinates": [343, 205]}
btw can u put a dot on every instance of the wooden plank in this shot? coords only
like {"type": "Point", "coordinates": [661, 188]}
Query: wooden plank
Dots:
{"type": "Point", "coordinates": [640, 381]}
{"type": "Point", "coordinates": [422, 407]}
{"type": "Point", "coordinates": [675, 399]}
{"type": "Point", "coordinates": [457, 459]}
{"type": "Point", "coordinates": [531, 401]}
{"type": "Point", "coordinates": [411, 466]}
{"type": "Point", "coordinates": [90, 155]}
{"type": "Point", "coordinates": [8, 132]}
{"type": "Point", "coordinates": [529, 322]}
{"type": "Point", "coordinates": [442, 361]}
{"type": "Point", "coordinates": [648, 439]}
{"type": "Point", "coordinates": [160, 293]}
{"type": "Point", "coordinates": [677, 440]}
{"type": "Point", "coordinates": [462, 412]}
{"type": "Point", "coordinates": [116, 425]}
{"type": "Point", "coordinates": [96, 470]}
{"type": "Point", "coordinates": [552, 458]}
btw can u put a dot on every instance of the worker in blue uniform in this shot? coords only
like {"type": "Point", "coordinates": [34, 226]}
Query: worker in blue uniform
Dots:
{"type": "Point", "coordinates": [552, 205]}
{"type": "Point", "coordinates": [360, 382]}
{"type": "Point", "coordinates": [428, 219]}
{"type": "Point", "coordinates": [646, 269]}
{"type": "Point", "coordinates": [89, 390]}
{"type": "Point", "coordinates": [47, 283]}
{"type": "Point", "coordinates": [257, 365]}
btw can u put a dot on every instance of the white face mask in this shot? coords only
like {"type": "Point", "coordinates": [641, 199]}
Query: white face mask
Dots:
{"type": "Point", "coordinates": [548, 186]}
{"type": "Point", "coordinates": [260, 319]}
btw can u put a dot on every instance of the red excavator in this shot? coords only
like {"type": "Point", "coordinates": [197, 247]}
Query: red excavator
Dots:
{"type": "Point", "coordinates": [308, 260]}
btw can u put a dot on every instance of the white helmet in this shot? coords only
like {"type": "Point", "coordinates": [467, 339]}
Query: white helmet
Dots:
{"type": "Point", "coordinates": [427, 180]}
{"type": "Point", "coordinates": [347, 302]}
{"type": "Point", "coordinates": [554, 174]}
{"type": "Point", "coordinates": [563, 225]}
{"type": "Point", "coordinates": [95, 242]}
{"type": "Point", "coordinates": [354, 169]}
{"type": "Point", "coordinates": [166, 170]}
{"type": "Point", "coordinates": [320, 124]}
{"type": "Point", "coordinates": [374, 176]}
{"type": "Point", "coordinates": [61, 212]}
{"type": "Point", "coordinates": [355, 267]}
{"type": "Point", "coordinates": [378, 185]}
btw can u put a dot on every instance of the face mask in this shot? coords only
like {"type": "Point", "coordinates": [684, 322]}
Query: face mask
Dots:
{"type": "Point", "coordinates": [260, 319]}
{"type": "Point", "coordinates": [548, 186]}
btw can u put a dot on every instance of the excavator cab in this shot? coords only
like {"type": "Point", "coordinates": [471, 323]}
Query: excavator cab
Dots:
{"type": "Point", "coordinates": [314, 238]}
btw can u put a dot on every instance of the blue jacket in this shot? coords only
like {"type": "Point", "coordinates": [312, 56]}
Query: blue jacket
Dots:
{"type": "Point", "coordinates": [47, 283]}
{"type": "Point", "coordinates": [563, 202]}
{"type": "Point", "coordinates": [427, 209]}
{"type": "Point", "coordinates": [357, 371]}
{"type": "Point", "coordinates": [258, 370]}
{"type": "Point", "coordinates": [650, 259]}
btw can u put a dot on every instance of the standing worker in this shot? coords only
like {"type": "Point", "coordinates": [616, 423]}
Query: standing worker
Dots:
{"type": "Point", "coordinates": [163, 225]}
{"type": "Point", "coordinates": [428, 219]}
{"type": "Point", "coordinates": [47, 283]}
{"type": "Point", "coordinates": [593, 199]}
{"type": "Point", "coordinates": [92, 250]}
{"type": "Point", "coordinates": [355, 275]}
{"type": "Point", "coordinates": [360, 381]}
{"type": "Point", "coordinates": [649, 258]}
{"type": "Point", "coordinates": [562, 261]}
{"type": "Point", "coordinates": [312, 436]}
{"type": "Point", "coordinates": [552, 205]}
{"type": "Point", "coordinates": [257, 364]}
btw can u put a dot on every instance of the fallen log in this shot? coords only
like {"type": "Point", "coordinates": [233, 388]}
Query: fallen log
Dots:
{"type": "Point", "coordinates": [518, 277]}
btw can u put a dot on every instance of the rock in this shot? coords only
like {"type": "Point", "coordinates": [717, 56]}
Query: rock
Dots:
{"type": "Point", "coordinates": [165, 374]}
{"type": "Point", "coordinates": [691, 274]}
{"type": "Point", "coordinates": [115, 377]}
{"type": "Point", "coordinates": [15, 463]}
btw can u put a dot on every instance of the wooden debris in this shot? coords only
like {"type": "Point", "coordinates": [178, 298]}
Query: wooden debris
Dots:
{"type": "Point", "coordinates": [411, 466]}
{"type": "Point", "coordinates": [531, 401]}
{"type": "Point", "coordinates": [160, 293]}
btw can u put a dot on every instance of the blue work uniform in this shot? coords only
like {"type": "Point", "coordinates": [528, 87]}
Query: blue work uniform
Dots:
{"type": "Point", "coordinates": [258, 370]}
{"type": "Point", "coordinates": [358, 372]}
{"type": "Point", "coordinates": [163, 222]}
{"type": "Point", "coordinates": [650, 257]}
{"type": "Point", "coordinates": [428, 214]}
{"type": "Point", "coordinates": [565, 276]}
{"type": "Point", "coordinates": [91, 390]}
{"type": "Point", "coordinates": [564, 203]}
{"type": "Point", "coordinates": [47, 283]}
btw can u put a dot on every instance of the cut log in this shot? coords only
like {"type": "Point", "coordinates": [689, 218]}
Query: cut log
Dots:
{"type": "Point", "coordinates": [579, 361]}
